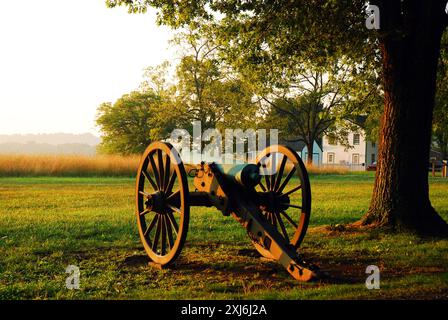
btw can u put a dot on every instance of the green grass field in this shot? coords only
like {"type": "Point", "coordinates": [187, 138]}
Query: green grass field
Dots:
{"type": "Point", "coordinates": [49, 223]}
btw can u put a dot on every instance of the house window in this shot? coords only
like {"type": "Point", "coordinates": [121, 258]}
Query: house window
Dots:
{"type": "Point", "coordinates": [356, 139]}
{"type": "Point", "coordinates": [373, 144]}
{"type": "Point", "coordinates": [331, 140]}
{"type": "Point", "coordinates": [355, 158]}
{"type": "Point", "coordinates": [373, 158]}
{"type": "Point", "coordinates": [330, 157]}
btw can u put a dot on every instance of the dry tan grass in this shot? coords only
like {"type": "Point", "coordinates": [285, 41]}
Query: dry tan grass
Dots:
{"type": "Point", "coordinates": [105, 165]}
{"type": "Point", "coordinates": [322, 169]}
{"type": "Point", "coordinates": [327, 169]}
{"type": "Point", "coordinates": [67, 165]}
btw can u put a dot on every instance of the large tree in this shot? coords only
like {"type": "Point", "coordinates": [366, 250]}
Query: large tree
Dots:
{"type": "Point", "coordinates": [410, 35]}
{"type": "Point", "coordinates": [440, 119]}
{"type": "Point", "coordinates": [409, 42]}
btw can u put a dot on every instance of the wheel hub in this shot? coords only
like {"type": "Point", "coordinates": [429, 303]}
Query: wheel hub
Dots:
{"type": "Point", "coordinates": [273, 202]}
{"type": "Point", "coordinates": [156, 202]}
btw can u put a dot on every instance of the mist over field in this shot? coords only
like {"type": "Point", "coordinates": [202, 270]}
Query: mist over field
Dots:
{"type": "Point", "coordinates": [51, 143]}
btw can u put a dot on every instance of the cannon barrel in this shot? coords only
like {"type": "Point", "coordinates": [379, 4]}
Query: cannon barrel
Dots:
{"type": "Point", "coordinates": [247, 175]}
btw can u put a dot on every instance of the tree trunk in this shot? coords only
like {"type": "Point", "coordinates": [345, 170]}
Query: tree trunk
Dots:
{"type": "Point", "coordinates": [310, 149]}
{"type": "Point", "coordinates": [400, 198]}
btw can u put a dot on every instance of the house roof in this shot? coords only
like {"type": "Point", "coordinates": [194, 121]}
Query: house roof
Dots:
{"type": "Point", "coordinates": [298, 144]}
{"type": "Point", "coordinates": [359, 120]}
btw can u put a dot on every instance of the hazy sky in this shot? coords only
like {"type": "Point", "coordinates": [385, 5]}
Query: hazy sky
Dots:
{"type": "Point", "coordinates": [59, 59]}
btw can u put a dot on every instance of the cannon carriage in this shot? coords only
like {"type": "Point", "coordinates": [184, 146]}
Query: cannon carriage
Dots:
{"type": "Point", "coordinates": [271, 199]}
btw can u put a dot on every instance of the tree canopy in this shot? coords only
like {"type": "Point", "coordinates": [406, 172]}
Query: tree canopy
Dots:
{"type": "Point", "coordinates": [132, 122]}
{"type": "Point", "coordinates": [203, 89]}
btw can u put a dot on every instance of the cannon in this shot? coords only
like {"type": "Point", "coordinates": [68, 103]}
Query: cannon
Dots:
{"type": "Point", "coordinates": [270, 198]}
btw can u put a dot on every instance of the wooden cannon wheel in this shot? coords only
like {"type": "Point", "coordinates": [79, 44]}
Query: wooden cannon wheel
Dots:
{"type": "Point", "coordinates": [288, 194]}
{"type": "Point", "coordinates": [162, 202]}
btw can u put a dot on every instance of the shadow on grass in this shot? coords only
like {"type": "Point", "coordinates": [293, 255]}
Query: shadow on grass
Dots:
{"type": "Point", "coordinates": [245, 263]}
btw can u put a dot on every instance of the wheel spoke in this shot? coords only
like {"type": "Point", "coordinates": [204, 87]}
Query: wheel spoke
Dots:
{"type": "Point", "coordinates": [282, 226]}
{"type": "Point", "coordinates": [289, 219]}
{"type": "Point", "coordinates": [160, 169]}
{"type": "Point", "coordinates": [291, 205]}
{"type": "Point", "coordinates": [274, 219]}
{"type": "Point", "coordinates": [285, 182]}
{"type": "Point", "coordinates": [272, 177]}
{"type": "Point", "coordinates": [143, 193]}
{"type": "Point", "coordinates": [157, 235]}
{"type": "Point", "coordinates": [173, 222]}
{"type": "Point", "coordinates": [171, 183]}
{"type": "Point", "coordinates": [173, 196]}
{"type": "Point", "coordinates": [148, 177]}
{"type": "Point", "coordinates": [167, 171]}
{"type": "Point", "coordinates": [169, 232]}
{"type": "Point", "coordinates": [144, 212]}
{"type": "Point", "coordinates": [174, 208]}
{"type": "Point", "coordinates": [151, 225]}
{"type": "Point", "coordinates": [155, 171]}
{"type": "Point", "coordinates": [268, 183]}
{"type": "Point", "coordinates": [266, 178]}
{"type": "Point", "coordinates": [262, 186]}
{"type": "Point", "coordinates": [292, 190]}
{"type": "Point", "coordinates": [267, 216]}
{"type": "Point", "coordinates": [280, 173]}
{"type": "Point", "coordinates": [163, 235]}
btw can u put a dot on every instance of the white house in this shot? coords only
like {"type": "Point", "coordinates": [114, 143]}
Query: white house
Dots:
{"type": "Point", "coordinates": [360, 153]}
